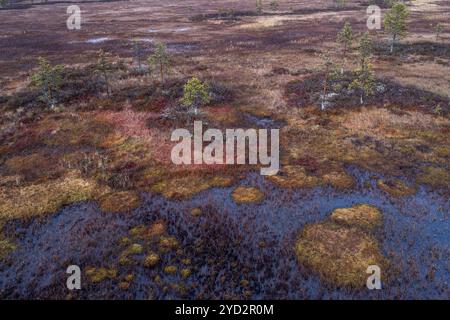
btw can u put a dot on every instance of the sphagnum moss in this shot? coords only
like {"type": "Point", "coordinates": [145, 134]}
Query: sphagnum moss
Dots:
{"type": "Point", "coordinates": [170, 269]}
{"type": "Point", "coordinates": [362, 216]}
{"type": "Point", "coordinates": [435, 177]}
{"type": "Point", "coordinates": [186, 187]}
{"type": "Point", "coordinates": [6, 247]}
{"type": "Point", "coordinates": [342, 248]}
{"type": "Point", "coordinates": [242, 195]}
{"type": "Point", "coordinates": [395, 188]}
{"type": "Point", "coordinates": [120, 201]}
{"type": "Point", "coordinates": [294, 177]}
{"type": "Point", "coordinates": [100, 274]}
{"type": "Point", "coordinates": [339, 254]}
{"type": "Point", "coordinates": [151, 260]}
{"type": "Point", "coordinates": [48, 197]}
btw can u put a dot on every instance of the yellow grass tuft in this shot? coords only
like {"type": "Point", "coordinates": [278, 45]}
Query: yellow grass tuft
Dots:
{"type": "Point", "coordinates": [6, 247]}
{"type": "Point", "coordinates": [435, 177]}
{"type": "Point", "coordinates": [294, 177]}
{"type": "Point", "coordinates": [97, 275]}
{"type": "Point", "coordinates": [339, 254]}
{"type": "Point", "coordinates": [395, 188]}
{"type": "Point", "coordinates": [243, 195]}
{"type": "Point", "coordinates": [185, 187]}
{"type": "Point", "coordinates": [120, 201]}
{"type": "Point", "coordinates": [47, 197]}
{"type": "Point", "coordinates": [362, 216]}
{"type": "Point", "coordinates": [151, 260]}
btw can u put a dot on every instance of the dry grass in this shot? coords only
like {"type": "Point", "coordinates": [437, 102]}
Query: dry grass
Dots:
{"type": "Point", "coordinates": [340, 255]}
{"type": "Point", "coordinates": [120, 201]}
{"type": "Point", "coordinates": [362, 216]}
{"type": "Point", "coordinates": [383, 123]}
{"type": "Point", "coordinates": [47, 197]}
{"type": "Point", "coordinates": [342, 248]}
{"type": "Point", "coordinates": [395, 188]}
{"type": "Point", "coordinates": [243, 195]}
{"type": "Point", "coordinates": [188, 186]}
{"type": "Point", "coordinates": [6, 247]}
{"type": "Point", "coordinates": [97, 275]}
{"type": "Point", "coordinates": [435, 177]}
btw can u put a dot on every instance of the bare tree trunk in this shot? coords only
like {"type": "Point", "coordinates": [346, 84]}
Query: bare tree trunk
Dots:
{"type": "Point", "coordinates": [393, 42]}
{"type": "Point", "coordinates": [325, 88]}
{"type": "Point", "coordinates": [107, 84]}
{"type": "Point", "coordinates": [49, 96]}
{"type": "Point", "coordinates": [345, 59]}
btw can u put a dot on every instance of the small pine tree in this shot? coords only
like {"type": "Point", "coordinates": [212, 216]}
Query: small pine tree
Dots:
{"type": "Point", "coordinates": [259, 6]}
{"type": "Point", "coordinates": [345, 38]}
{"type": "Point", "coordinates": [104, 67]}
{"type": "Point", "coordinates": [137, 52]}
{"type": "Point", "coordinates": [438, 29]}
{"type": "Point", "coordinates": [365, 48]}
{"type": "Point", "coordinates": [160, 60]}
{"type": "Point", "coordinates": [341, 3]}
{"type": "Point", "coordinates": [395, 22]}
{"type": "Point", "coordinates": [195, 94]}
{"type": "Point", "coordinates": [274, 4]}
{"type": "Point", "coordinates": [327, 65]}
{"type": "Point", "coordinates": [364, 81]}
{"type": "Point", "coordinates": [48, 79]}
{"type": "Point", "coordinates": [3, 3]}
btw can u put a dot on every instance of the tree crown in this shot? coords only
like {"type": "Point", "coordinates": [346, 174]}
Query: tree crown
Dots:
{"type": "Point", "coordinates": [195, 93]}
{"type": "Point", "coordinates": [395, 20]}
{"type": "Point", "coordinates": [160, 55]}
{"type": "Point", "coordinates": [345, 36]}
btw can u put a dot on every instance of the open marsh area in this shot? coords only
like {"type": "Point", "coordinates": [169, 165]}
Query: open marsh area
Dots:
{"type": "Point", "coordinates": [87, 176]}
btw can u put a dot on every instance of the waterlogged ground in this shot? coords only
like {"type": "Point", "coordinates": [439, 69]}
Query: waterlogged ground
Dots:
{"type": "Point", "coordinates": [189, 238]}
{"type": "Point", "coordinates": [229, 250]}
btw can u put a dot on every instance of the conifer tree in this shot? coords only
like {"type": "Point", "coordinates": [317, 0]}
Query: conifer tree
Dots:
{"type": "Point", "coordinates": [438, 29]}
{"type": "Point", "coordinates": [104, 67]}
{"type": "Point", "coordinates": [196, 94]}
{"type": "Point", "coordinates": [160, 60]}
{"type": "Point", "coordinates": [345, 39]}
{"type": "Point", "coordinates": [364, 81]}
{"type": "Point", "coordinates": [48, 79]}
{"type": "Point", "coordinates": [395, 22]}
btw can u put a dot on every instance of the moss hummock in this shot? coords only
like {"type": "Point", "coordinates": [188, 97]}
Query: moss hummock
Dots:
{"type": "Point", "coordinates": [100, 274]}
{"type": "Point", "coordinates": [186, 187]}
{"type": "Point", "coordinates": [120, 201]}
{"type": "Point", "coordinates": [242, 195]}
{"type": "Point", "coordinates": [362, 216]}
{"type": "Point", "coordinates": [339, 254]}
{"type": "Point", "coordinates": [6, 247]}
{"type": "Point", "coordinates": [35, 200]}
{"type": "Point", "coordinates": [341, 248]}
{"type": "Point", "coordinates": [395, 188]}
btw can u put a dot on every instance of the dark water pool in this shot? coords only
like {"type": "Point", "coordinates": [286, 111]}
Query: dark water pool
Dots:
{"type": "Point", "coordinates": [253, 243]}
